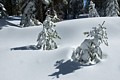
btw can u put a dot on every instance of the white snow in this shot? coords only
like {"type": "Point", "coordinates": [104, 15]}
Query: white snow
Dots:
{"type": "Point", "coordinates": [27, 64]}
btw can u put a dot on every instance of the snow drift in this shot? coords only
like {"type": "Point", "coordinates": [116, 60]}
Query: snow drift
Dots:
{"type": "Point", "coordinates": [26, 63]}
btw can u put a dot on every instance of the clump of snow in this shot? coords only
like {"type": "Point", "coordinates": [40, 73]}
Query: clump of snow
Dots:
{"type": "Point", "coordinates": [46, 2]}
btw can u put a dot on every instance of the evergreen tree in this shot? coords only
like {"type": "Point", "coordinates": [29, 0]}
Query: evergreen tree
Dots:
{"type": "Point", "coordinates": [76, 8]}
{"type": "Point", "coordinates": [89, 52]}
{"type": "Point", "coordinates": [16, 4]}
{"type": "Point", "coordinates": [101, 8]}
{"type": "Point", "coordinates": [28, 17]}
{"type": "Point", "coordinates": [47, 35]}
{"type": "Point", "coordinates": [92, 11]}
{"type": "Point", "coordinates": [2, 11]}
{"type": "Point", "coordinates": [112, 8]}
{"type": "Point", "coordinates": [60, 6]}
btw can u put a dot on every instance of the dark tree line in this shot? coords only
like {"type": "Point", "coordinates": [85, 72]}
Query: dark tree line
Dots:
{"type": "Point", "coordinates": [65, 9]}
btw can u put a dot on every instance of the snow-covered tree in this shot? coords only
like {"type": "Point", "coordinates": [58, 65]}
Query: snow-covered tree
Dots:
{"type": "Point", "coordinates": [92, 10]}
{"type": "Point", "coordinates": [28, 17]}
{"type": "Point", "coordinates": [46, 38]}
{"type": "Point", "coordinates": [112, 8]}
{"type": "Point", "coordinates": [89, 52]}
{"type": "Point", "coordinates": [2, 11]}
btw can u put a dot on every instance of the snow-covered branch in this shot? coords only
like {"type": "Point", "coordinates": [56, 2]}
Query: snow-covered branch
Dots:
{"type": "Point", "coordinates": [2, 11]}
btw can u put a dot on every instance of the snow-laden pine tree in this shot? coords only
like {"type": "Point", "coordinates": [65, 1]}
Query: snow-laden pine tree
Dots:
{"type": "Point", "coordinates": [112, 8]}
{"type": "Point", "coordinates": [89, 52]}
{"type": "Point", "coordinates": [46, 38]}
{"type": "Point", "coordinates": [28, 17]}
{"type": "Point", "coordinates": [2, 11]}
{"type": "Point", "coordinates": [92, 10]}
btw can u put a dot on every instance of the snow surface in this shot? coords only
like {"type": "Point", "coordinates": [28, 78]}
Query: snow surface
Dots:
{"type": "Point", "coordinates": [26, 63]}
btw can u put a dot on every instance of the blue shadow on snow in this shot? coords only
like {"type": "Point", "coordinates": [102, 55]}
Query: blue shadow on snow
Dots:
{"type": "Point", "coordinates": [65, 67]}
{"type": "Point", "coordinates": [30, 47]}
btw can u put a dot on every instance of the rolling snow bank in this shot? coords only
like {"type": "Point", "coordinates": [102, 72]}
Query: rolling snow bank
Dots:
{"type": "Point", "coordinates": [27, 64]}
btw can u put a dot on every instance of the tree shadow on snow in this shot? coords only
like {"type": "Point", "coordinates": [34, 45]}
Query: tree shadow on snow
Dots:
{"type": "Point", "coordinates": [11, 24]}
{"type": "Point", "coordinates": [65, 67]}
{"type": "Point", "coordinates": [3, 23]}
{"type": "Point", "coordinates": [14, 18]}
{"type": "Point", "coordinates": [30, 47]}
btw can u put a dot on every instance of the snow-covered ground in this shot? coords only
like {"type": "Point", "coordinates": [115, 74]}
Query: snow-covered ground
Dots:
{"type": "Point", "coordinates": [26, 63]}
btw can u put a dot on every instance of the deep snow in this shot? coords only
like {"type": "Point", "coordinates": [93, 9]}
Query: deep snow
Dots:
{"type": "Point", "coordinates": [29, 64]}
